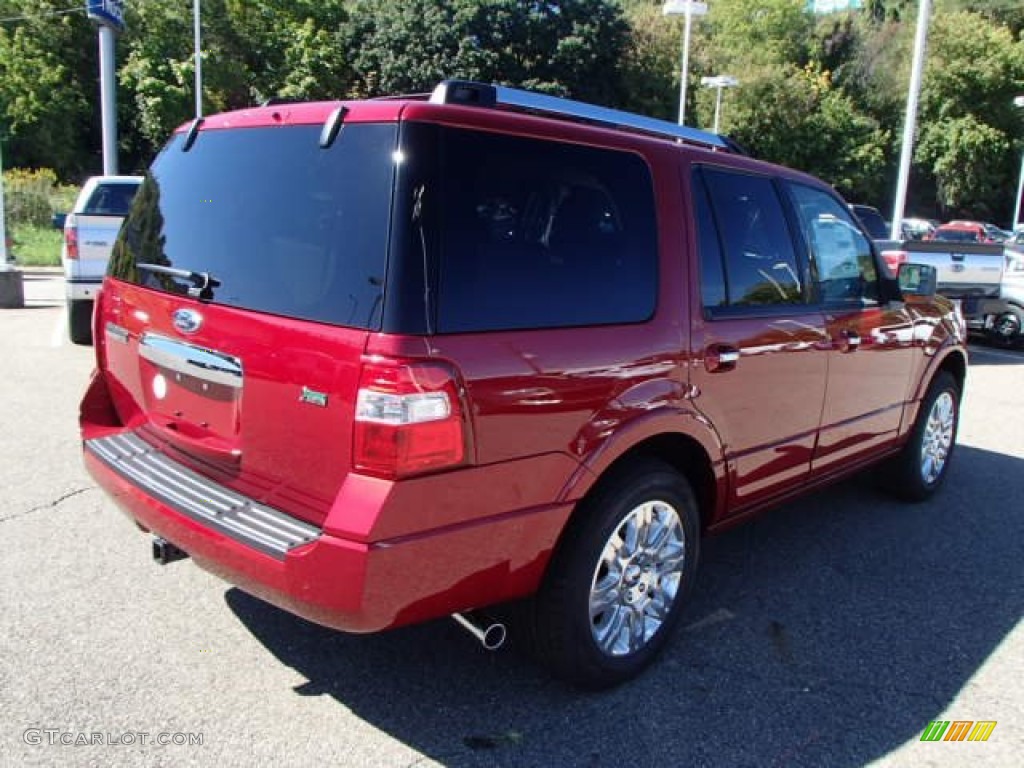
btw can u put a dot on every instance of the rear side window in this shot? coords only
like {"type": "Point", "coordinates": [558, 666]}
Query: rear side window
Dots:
{"type": "Point", "coordinates": [283, 226]}
{"type": "Point", "coordinates": [111, 200]}
{"type": "Point", "coordinates": [537, 234]}
{"type": "Point", "coordinates": [747, 255]}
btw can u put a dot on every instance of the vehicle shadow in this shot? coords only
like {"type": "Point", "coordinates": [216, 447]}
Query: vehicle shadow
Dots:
{"type": "Point", "coordinates": [828, 632]}
{"type": "Point", "coordinates": [988, 355]}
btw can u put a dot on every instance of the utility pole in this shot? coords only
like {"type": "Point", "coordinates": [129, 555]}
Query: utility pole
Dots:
{"type": "Point", "coordinates": [924, 12]}
{"type": "Point", "coordinates": [109, 15]}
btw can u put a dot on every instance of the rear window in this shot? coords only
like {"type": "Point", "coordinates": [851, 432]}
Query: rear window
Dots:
{"type": "Point", "coordinates": [281, 225]}
{"type": "Point", "coordinates": [522, 233]}
{"type": "Point", "coordinates": [111, 199]}
{"type": "Point", "coordinates": [956, 236]}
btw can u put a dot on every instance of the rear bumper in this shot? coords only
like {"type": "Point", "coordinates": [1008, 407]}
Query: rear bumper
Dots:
{"type": "Point", "coordinates": [352, 585]}
{"type": "Point", "coordinates": [82, 289]}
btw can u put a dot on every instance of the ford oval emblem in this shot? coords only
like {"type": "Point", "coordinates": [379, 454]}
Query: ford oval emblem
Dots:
{"type": "Point", "coordinates": [187, 320]}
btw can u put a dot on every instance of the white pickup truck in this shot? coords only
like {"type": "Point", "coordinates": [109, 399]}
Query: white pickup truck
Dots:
{"type": "Point", "coordinates": [984, 277]}
{"type": "Point", "coordinates": [89, 233]}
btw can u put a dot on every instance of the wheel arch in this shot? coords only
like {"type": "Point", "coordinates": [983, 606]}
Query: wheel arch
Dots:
{"type": "Point", "coordinates": [689, 445]}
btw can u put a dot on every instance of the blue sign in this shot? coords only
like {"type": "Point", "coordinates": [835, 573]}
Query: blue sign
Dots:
{"type": "Point", "coordinates": [107, 12]}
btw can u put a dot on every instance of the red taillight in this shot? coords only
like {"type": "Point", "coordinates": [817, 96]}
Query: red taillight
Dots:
{"type": "Point", "coordinates": [409, 418]}
{"type": "Point", "coordinates": [893, 259]}
{"type": "Point", "coordinates": [71, 237]}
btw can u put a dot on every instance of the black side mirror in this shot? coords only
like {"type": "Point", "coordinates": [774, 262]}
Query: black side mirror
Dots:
{"type": "Point", "coordinates": [58, 219]}
{"type": "Point", "coordinates": [918, 279]}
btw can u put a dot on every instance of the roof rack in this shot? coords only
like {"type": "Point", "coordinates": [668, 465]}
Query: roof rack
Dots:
{"type": "Point", "coordinates": [470, 93]}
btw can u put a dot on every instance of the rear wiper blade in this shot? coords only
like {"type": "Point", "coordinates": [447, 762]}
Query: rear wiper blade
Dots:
{"type": "Point", "coordinates": [203, 283]}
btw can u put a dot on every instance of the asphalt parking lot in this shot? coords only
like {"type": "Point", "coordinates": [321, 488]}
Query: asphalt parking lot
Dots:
{"type": "Point", "coordinates": [828, 633]}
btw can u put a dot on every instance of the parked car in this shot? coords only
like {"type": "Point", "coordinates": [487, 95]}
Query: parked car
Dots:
{"type": "Point", "coordinates": [918, 229]}
{"type": "Point", "coordinates": [996, 234]}
{"type": "Point", "coordinates": [89, 232]}
{"type": "Point", "coordinates": [378, 362]}
{"type": "Point", "coordinates": [960, 231]}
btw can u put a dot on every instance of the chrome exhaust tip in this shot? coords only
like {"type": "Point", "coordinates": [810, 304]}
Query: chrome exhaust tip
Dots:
{"type": "Point", "coordinates": [491, 634]}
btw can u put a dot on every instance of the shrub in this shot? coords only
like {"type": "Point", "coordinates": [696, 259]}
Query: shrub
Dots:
{"type": "Point", "coordinates": [27, 195]}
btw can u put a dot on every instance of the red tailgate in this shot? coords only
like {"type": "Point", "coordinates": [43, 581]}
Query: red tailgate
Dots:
{"type": "Point", "coordinates": [260, 403]}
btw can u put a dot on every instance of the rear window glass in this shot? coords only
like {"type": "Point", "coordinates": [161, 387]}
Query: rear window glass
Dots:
{"type": "Point", "coordinates": [111, 200]}
{"type": "Point", "coordinates": [280, 224]}
{"type": "Point", "coordinates": [539, 234]}
{"type": "Point", "coordinates": [957, 236]}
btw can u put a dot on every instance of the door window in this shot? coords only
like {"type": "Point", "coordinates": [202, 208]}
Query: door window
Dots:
{"type": "Point", "coordinates": [840, 255]}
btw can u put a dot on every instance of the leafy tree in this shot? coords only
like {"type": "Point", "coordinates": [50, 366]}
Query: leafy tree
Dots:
{"type": "Point", "coordinates": [572, 47]}
{"type": "Point", "coordinates": [252, 50]}
{"type": "Point", "coordinates": [798, 118]}
{"type": "Point", "coordinates": [968, 123]}
{"type": "Point", "coordinates": [651, 63]}
{"type": "Point", "coordinates": [759, 33]}
{"type": "Point", "coordinates": [48, 87]}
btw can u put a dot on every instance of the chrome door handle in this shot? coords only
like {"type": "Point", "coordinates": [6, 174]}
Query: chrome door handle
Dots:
{"type": "Point", "coordinates": [719, 358]}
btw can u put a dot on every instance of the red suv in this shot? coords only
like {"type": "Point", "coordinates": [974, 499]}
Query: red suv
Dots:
{"type": "Point", "coordinates": [379, 362]}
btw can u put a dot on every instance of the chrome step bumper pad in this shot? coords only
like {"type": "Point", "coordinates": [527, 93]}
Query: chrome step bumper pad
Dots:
{"type": "Point", "coordinates": [264, 528]}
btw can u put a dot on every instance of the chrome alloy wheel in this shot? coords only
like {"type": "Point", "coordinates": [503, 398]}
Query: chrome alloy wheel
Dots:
{"type": "Point", "coordinates": [938, 437]}
{"type": "Point", "coordinates": [637, 578]}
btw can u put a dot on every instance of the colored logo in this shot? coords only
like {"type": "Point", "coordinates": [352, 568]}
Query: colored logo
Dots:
{"type": "Point", "coordinates": [958, 730]}
{"type": "Point", "coordinates": [187, 320]}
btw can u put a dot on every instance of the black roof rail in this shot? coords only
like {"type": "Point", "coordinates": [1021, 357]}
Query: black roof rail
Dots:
{"type": "Point", "coordinates": [470, 93]}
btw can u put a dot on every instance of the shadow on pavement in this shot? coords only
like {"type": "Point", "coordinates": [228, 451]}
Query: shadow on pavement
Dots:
{"type": "Point", "coordinates": [987, 355]}
{"type": "Point", "coordinates": [829, 632]}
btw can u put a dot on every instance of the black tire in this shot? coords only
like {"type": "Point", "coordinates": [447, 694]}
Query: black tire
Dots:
{"type": "Point", "coordinates": [652, 587]}
{"type": "Point", "coordinates": [920, 468]}
{"type": "Point", "coordinates": [80, 321]}
{"type": "Point", "coordinates": [1007, 328]}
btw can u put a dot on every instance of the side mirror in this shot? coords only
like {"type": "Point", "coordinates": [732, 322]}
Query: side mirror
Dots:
{"type": "Point", "coordinates": [58, 219]}
{"type": "Point", "coordinates": [918, 279]}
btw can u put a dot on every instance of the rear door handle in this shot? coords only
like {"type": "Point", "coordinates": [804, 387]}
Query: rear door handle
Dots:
{"type": "Point", "coordinates": [719, 358]}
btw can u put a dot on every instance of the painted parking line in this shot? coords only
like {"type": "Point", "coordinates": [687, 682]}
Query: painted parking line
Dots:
{"type": "Point", "coordinates": [57, 335]}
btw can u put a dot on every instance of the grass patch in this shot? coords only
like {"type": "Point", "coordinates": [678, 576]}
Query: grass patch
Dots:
{"type": "Point", "coordinates": [36, 246]}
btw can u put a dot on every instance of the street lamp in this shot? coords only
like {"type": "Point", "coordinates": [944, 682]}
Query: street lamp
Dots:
{"type": "Point", "coordinates": [1019, 102]}
{"type": "Point", "coordinates": [689, 9]}
{"type": "Point", "coordinates": [197, 35]}
{"type": "Point", "coordinates": [718, 82]}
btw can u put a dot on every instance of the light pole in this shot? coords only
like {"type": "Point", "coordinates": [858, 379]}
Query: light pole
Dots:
{"type": "Point", "coordinates": [688, 9]}
{"type": "Point", "coordinates": [718, 82]}
{"type": "Point", "coordinates": [197, 35]}
{"type": "Point", "coordinates": [1019, 102]}
{"type": "Point", "coordinates": [924, 11]}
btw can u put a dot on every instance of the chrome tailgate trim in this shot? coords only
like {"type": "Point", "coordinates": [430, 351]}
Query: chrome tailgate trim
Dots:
{"type": "Point", "coordinates": [239, 517]}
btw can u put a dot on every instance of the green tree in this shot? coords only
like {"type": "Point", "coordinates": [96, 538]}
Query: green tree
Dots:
{"type": "Point", "coordinates": [798, 118]}
{"type": "Point", "coordinates": [651, 63]}
{"type": "Point", "coordinates": [252, 50]}
{"type": "Point", "coordinates": [48, 87]}
{"type": "Point", "coordinates": [970, 132]}
{"type": "Point", "coordinates": [572, 47]}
